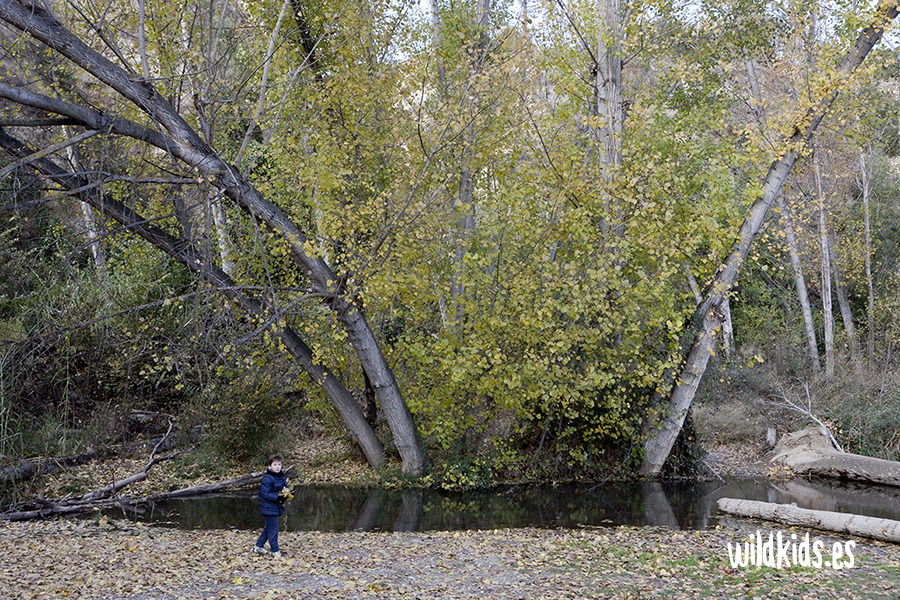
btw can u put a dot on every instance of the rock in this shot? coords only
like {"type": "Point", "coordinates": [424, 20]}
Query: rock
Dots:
{"type": "Point", "coordinates": [810, 452]}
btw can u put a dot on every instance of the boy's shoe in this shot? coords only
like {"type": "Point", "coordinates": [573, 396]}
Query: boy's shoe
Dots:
{"type": "Point", "coordinates": [258, 550]}
{"type": "Point", "coordinates": [276, 555]}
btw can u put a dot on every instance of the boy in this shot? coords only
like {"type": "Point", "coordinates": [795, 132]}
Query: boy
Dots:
{"type": "Point", "coordinates": [272, 495]}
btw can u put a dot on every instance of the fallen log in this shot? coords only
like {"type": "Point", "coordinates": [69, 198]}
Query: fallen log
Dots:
{"type": "Point", "coordinates": [43, 466]}
{"type": "Point", "coordinates": [139, 476]}
{"type": "Point", "coordinates": [199, 490]}
{"type": "Point", "coordinates": [95, 501]}
{"type": "Point", "coordinates": [886, 530]}
{"type": "Point", "coordinates": [809, 452]}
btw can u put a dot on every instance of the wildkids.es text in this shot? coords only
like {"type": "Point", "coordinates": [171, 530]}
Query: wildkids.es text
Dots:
{"type": "Point", "coordinates": [783, 551]}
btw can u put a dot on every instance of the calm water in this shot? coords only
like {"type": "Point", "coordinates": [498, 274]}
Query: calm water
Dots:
{"type": "Point", "coordinates": [675, 505]}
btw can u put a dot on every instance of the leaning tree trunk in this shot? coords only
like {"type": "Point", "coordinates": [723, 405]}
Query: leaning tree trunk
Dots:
{"type": "Point", "coordinates": [184, 253]}
{"type": "Point", "coordinates": [707, 319]}
{"type": "Point", "coordinates": [727, 327]}
{"type": "Point", "coordinates": [185, 144]}
{"type": "Point", "coordinates": [800, 285]}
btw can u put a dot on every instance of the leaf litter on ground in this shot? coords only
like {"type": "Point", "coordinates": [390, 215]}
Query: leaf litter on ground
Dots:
{"type": "Point", "coordinates": [117, 559]}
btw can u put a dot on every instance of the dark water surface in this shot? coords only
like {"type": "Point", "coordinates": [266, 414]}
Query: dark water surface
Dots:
{"type": "Point", "coordinates": [675, 505]}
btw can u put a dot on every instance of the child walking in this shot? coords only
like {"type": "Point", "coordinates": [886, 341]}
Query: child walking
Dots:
{"type": "Point", "coordinates": [273, 492]}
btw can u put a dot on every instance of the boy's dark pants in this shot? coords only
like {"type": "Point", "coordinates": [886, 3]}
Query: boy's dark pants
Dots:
{"type": "Point", "coordinates": [270, 533]}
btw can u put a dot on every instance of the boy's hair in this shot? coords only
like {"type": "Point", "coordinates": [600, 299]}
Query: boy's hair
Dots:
{"type": "Point", "coordinates": [273, 458]}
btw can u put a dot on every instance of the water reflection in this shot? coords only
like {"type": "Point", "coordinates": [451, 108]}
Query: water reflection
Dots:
{"type": "Point", "coordinates": [674, 505]}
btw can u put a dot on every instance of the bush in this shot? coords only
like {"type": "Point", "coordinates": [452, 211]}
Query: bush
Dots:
{"type": "Point", "coordinates": [249, 417]}
{"type": "Point", "coordinates": [865, 412]}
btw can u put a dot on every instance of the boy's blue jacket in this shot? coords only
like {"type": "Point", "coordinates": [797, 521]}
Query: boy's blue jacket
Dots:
{"type": "Point", "coordinates": [269, 487]}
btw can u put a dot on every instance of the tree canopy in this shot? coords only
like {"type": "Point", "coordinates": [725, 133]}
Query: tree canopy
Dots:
{"type": "Point", "coordinates": [477, 229]}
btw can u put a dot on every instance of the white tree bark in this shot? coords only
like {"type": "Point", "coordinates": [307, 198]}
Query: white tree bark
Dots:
{"type": "Point", "coordinates": [608, 87]}
{"type": "Point", "coordinates": [662, 430]}
{"type": "Point", "coordinates": [871, 527]}
{"type": "Point", "coordinates": [800, 285]}
{"type": "Point", "coordinates": [91, 227]}
{"type": "Point", "coordinates": [436, 39]}
{"type": "Point", "coordinates": [870, 312]}
{"type": "Point", "coordinates": [727, 328]}
{"type": "Point", "coordinates": [827, 309]}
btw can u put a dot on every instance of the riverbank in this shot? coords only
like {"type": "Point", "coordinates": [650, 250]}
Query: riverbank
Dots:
{"type": "Point", "coordinates": [124, 560]}
{"type": "Point", "coordinates": [322, 460]}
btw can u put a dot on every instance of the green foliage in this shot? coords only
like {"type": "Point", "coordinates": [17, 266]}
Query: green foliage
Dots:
{"type": "Point", "coordinates": [532, 300]}
{"type": "Point", "coordinates": [469, 473]}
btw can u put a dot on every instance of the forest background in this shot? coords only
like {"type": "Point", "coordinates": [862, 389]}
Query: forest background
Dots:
{"type": "Point", "coordinates": [477, 237]}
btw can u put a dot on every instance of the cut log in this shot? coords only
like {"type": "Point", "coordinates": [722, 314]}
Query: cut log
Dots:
{"type": "Point", "coordinates": [886, 530]}
{"type": "Point", "coordinates": [809, 452]}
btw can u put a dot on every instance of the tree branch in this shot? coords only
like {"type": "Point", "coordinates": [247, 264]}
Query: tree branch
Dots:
{"type": "Point", "coordinates": [48, 151]}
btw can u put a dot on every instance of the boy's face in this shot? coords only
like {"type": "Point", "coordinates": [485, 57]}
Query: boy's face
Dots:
{"type": "Point", "coordinates": [275, 467]}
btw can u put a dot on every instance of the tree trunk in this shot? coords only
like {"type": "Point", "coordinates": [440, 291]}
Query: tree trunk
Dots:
{"type": "Point", "coordinates": [606, 112]}
{"type": "Point", "coordinates": [727, 328]}
{"type": "Point", "coordinates": [885, 530]}
{"type": "Point", "coordinates": [843, 296]}
{"type": "Point", "coordinates": [810, 453]}
{"type": "Point", "coordinates": [608, 87]}
{"type": "Point", "coordinates": [707, 319]}
{"type": "Point", "coordinates": [220, 227]}
{"type": "Point", "coordinates": [870, 312]}
{"type": "Point", "coordinates": [465, 200]}
{"type": "Point", "coordinates": [436, 39]}
{"type": "Point", "coordinates": [184, 253]}
{"type": "Point", "coordinates": [91, 227]}
{"type": "Point", "coordinates": [464, 203]}
{"type": "Point", "coordinates": [800, 285]}
{"type": "Point", "coordinates": [185, 144]}
{"type": "Point", "coordinates": [827, 309]}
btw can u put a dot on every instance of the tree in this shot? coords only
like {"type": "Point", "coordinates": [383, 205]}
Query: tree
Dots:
{"type": "Point", "coordinates": [800, 286]}
{"type": "Point", "coordinates": [185, 144]}
{"type": "Point", "coordinates": [827, 308]}
{"type": "Point", "coordinates": [870, 305]}
{"type": "Point", "coordinates": [708, 318]}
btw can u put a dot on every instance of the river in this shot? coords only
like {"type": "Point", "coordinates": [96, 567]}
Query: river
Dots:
{"type": "Point", "coordinates": [686, 505]}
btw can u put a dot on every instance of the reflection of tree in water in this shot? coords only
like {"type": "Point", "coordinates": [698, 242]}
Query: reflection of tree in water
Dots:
{"type": "Point", "coordinates": [683, 505]}
{"type": "Point", "coordinates": [411, 511]}
{"type": "Point", "coordinates": [657, 510]}
{"type": "Point", "coordinates": [367, 519]}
